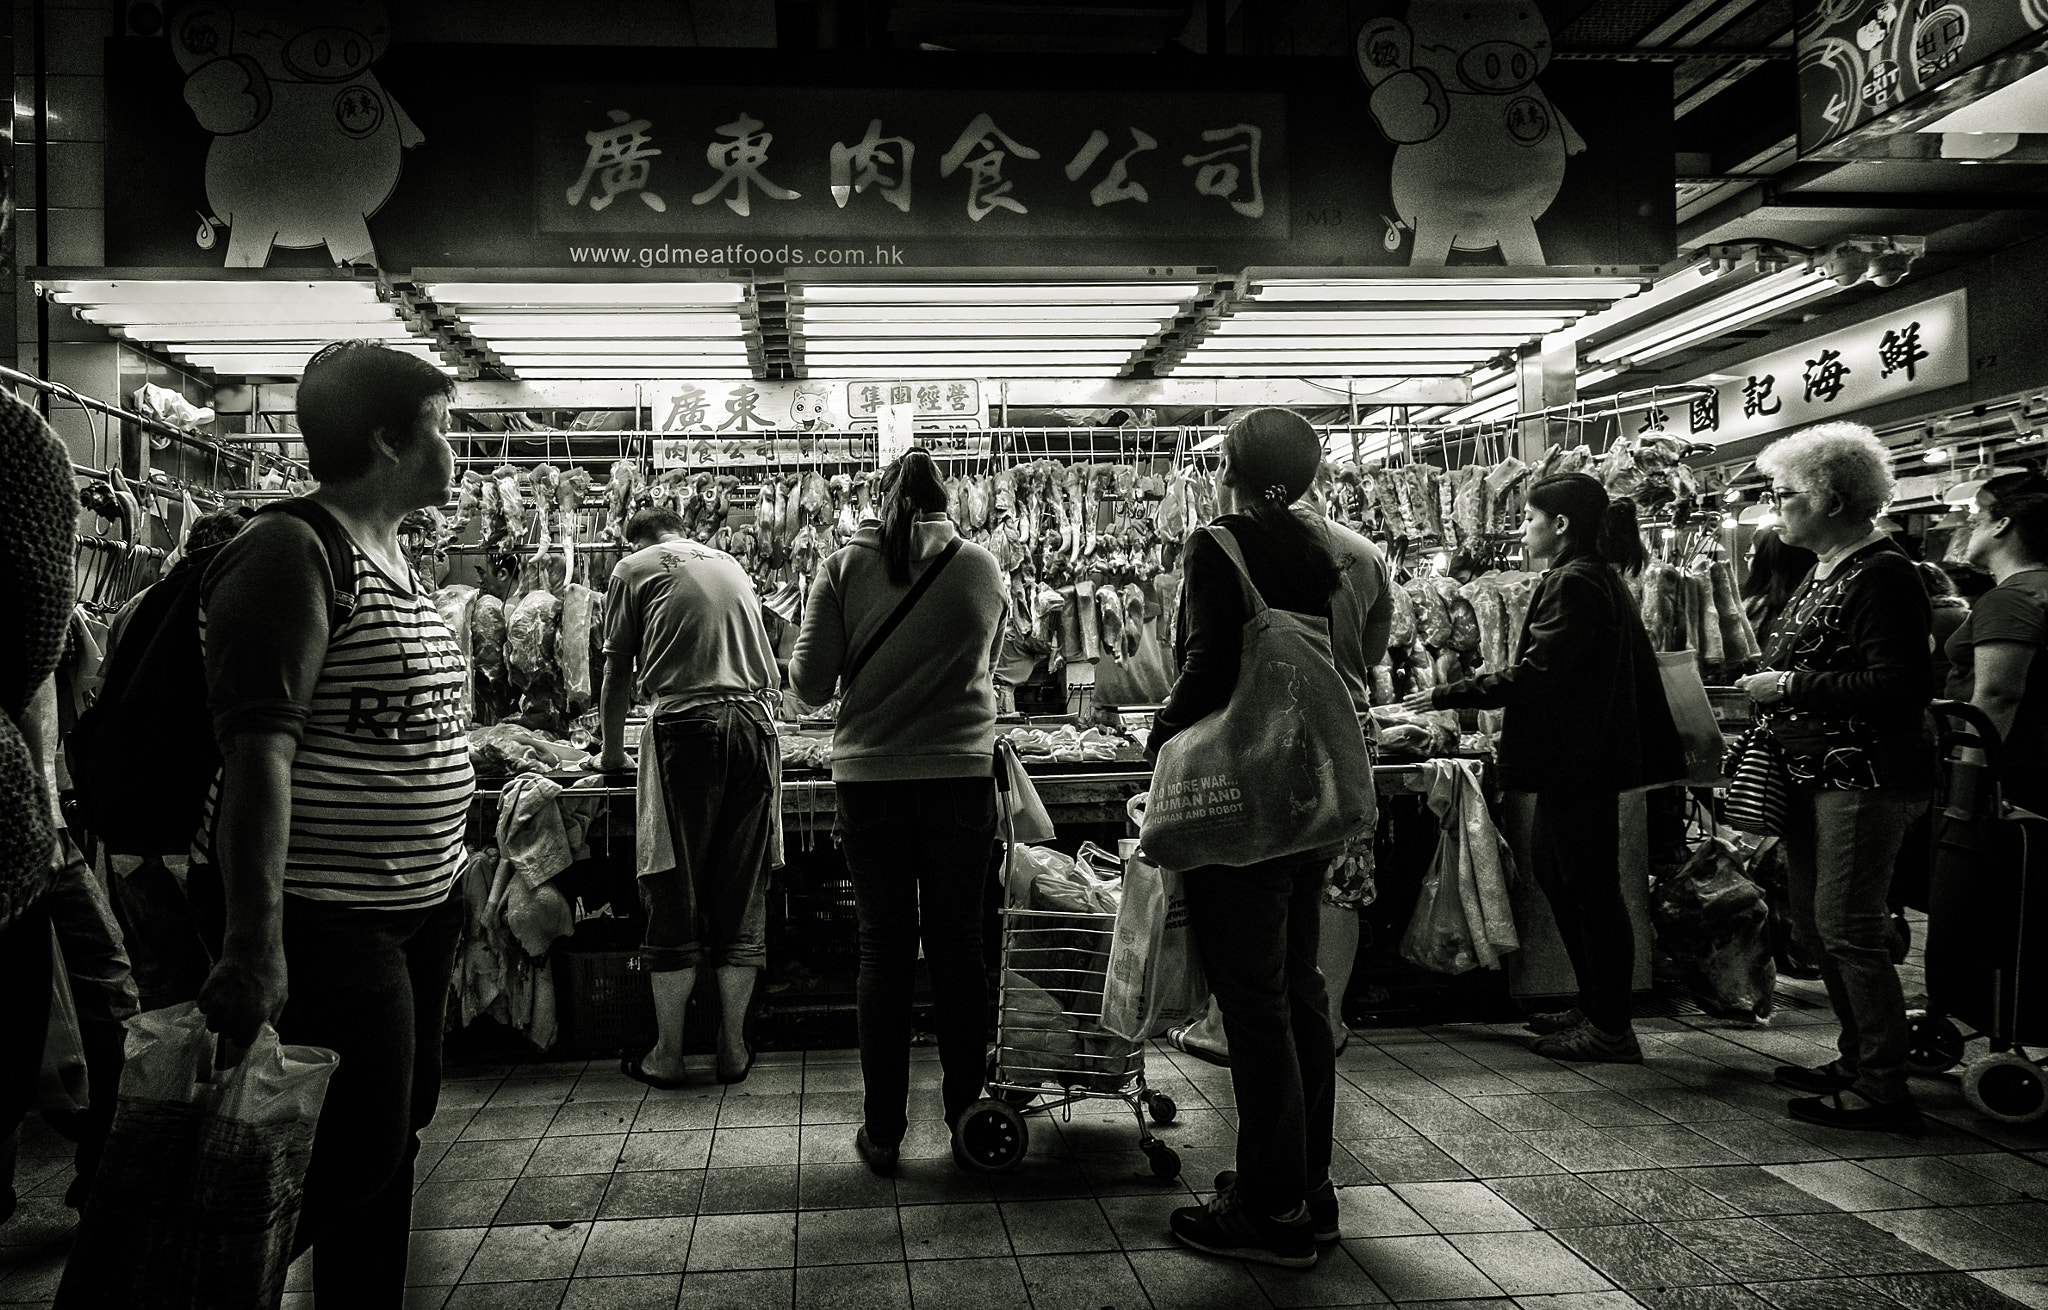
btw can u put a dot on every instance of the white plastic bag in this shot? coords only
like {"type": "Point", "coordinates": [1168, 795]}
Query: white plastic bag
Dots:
{"type": "Point", "coordinates": [197, 1197]}
{"type": "Point", "coordinates": [1155, 979]}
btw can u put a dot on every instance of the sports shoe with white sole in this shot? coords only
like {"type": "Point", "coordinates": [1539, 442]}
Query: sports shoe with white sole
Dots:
{"type": "Point", "coordinates": [1586, 1044]}
{"type": "Point", "coordinates": [1321, 1201]}
{"type": "Point", "coordinates": [1225, 1227]}
{"type": "Point", "coordinates": [1555, 1021]}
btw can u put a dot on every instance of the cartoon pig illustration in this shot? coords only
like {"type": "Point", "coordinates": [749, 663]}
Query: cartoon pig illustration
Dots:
{"type": "Point", "coordinates": [810, 408]}
{"type": "Point", "coordinates": [306, 144]}
{"type": "Point", "coordinates": [1482, 150]}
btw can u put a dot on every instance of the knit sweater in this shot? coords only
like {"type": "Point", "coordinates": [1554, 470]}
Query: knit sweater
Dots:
{"type": "Point", "coordinates": [924, 707]}
{"type": "Point", "coordinates": [38, 520]}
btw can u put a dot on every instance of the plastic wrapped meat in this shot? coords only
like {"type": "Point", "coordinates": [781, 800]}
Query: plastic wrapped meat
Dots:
{"type": "Point", "coordinates": [1445, 486]}
{"type": "Point", "coordinates": [1702, 623]}
{"type": "Point", "coordinates": [1714, 923]}
{"type": "Point", "coordinates": [1489, 610]}
{"type": "Point", "coordinates": [1736, 633]}
{"type": "Point", "coordinates": [1468, 502]}
{"type": "Point", "coordinates": [455, 606]}
{"type": "Point", "coordinates": [530, 636]}
{"type": "Point", "coordinates": [1427, 495]}
{"type": "Point", "coordinates": [1464, 624]}
{"type": "Point", "coordinates": [1501, 479]}
{"type": "Point", "coordinates": [1421, 666]}
{"type": "Point", "coordinates": [579, 604]}
{"type": "Point", "coordinates": [1664, 606]}
{"type": "Point", "coordinates": [1432, 613]}
{"type": "Point", "coordinates": [1404, 619]}
{"type": "Point", "coordinates": [487, 637]}
{"type": "Point", "coordinates": [1383, 685]}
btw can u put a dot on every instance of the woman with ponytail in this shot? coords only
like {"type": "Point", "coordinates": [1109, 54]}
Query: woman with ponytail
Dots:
{"type": "Point", "coordinates": [1258, 927]}
{"type": "Point", "coordinates": [903, 624]}
{"type": "Point", "coordinates": [1586, 720]}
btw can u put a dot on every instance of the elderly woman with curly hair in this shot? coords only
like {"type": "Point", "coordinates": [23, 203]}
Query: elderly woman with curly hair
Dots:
{"type": "Point", "coordinates": [1844, 692]}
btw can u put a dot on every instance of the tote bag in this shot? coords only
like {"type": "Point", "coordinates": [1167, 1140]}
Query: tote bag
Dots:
{"type": "Point", "coordinates": [1693, 714]}
{"type": "Point", "coordinates": [1279, 770]}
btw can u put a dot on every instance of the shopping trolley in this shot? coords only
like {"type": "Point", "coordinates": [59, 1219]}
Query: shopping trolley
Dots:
{"type": "Point", "coordinates": [1051, 1048]}
{"type": "Point", "coordinates": [1985, 964]}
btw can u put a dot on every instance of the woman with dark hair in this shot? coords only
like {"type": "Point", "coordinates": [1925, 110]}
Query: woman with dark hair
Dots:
{"type": "Point", "coordinates": [1776, 568]}
{"type": "Point", "coordinates": [1951, 611]}
{"type": "Point", "coordinates": [1258, 927]}
{"type": "Point", "coordinates": [904, 622]}
{"type": "Point", "coordinates": [1586, 720]}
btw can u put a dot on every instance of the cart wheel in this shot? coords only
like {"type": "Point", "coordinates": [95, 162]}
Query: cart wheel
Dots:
{"type": "Point", "coordinates": [1165, 1161]}
{"type": "Point", "coordinates": [990, 1137]}
{"type": "Point", "coordinates": [1934, 1045]}
{"type": "Point", "coordinates": [2007, 1087]}
{"type": "Point", "coordinates": [1162, 1108]}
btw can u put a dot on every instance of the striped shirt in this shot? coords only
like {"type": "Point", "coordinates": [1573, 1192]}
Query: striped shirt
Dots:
{"type": "Point", "coordinates": [381, 783]}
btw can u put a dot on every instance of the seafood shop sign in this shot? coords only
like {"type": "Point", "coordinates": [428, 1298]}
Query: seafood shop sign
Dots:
{"type": "Point", "coordinates": [1444, 139]}
{"type": "Point", "coordinates": [1915, 350]}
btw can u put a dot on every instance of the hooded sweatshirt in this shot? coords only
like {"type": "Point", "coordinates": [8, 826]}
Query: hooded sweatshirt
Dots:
{"type": "Point", "coordinates": [924, 707]}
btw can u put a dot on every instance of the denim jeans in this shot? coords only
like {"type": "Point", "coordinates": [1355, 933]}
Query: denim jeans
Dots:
{"type": "Point", "coordinates": [1258, 930]}
{"type": "Point", "coordinates": [1576, 850]}
{"type": "Point", "coordinates": [1840, 847]}
{"type": "Point", "coordinates": [921, 855]}
{"type": "Point", "coordinates": [715, 762]}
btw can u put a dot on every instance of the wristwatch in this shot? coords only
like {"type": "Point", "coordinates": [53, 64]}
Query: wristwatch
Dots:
{"type": "Point", "coordinates": [1784, 684]}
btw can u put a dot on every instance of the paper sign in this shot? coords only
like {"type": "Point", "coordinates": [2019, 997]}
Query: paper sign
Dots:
{"type": "Point", "coordinates": [896, 429]}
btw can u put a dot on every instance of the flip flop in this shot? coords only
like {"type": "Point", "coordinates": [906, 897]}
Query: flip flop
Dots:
{"type": "Point", "coordinates": [741, 1076]}
{"type": "Point", "coordinates": [630, 1066]}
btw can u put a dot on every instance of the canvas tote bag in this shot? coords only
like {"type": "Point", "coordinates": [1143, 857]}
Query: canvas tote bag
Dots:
{"type": "Point", "coordinates": [1279, 770]}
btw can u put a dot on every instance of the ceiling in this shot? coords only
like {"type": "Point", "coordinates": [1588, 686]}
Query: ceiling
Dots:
{"type": "Point", "coordinates": [1748, 211]}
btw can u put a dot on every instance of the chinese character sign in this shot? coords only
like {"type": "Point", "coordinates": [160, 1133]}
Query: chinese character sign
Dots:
{"type": "Point", "coordinates": [722, 412]}
{"type": "Point", "coordinates": [1921, 348]}
{"type": "Point", "coordinates": [777, 162]}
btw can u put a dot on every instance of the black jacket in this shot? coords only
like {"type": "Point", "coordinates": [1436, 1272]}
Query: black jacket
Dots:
{"type": "Point", "coordinates": [1585, 704]}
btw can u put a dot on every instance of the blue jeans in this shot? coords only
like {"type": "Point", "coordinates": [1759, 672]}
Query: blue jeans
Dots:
{"type": "Point", "coordinates": [1840, 848]}
{"type": "Point", "coordinates": [921, 855]}
{"type": "Point", "coordinates": [1258, 930]}
{"type": "Point", "coordinates": [716, 785]}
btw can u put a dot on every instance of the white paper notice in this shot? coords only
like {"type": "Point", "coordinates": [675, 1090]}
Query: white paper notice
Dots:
{"type": "Point", "coordinates": [895, 430]}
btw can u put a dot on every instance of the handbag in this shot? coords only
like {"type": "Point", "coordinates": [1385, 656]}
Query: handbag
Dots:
{"type": "Point", "coordinates": [196, 1203]}
{"type": "Point", "coordinates": [1760, 787]}
{"type": "Point", "coordinates": [1279, 770]}
{"type": "Point", "coordinates": [1022, 814]}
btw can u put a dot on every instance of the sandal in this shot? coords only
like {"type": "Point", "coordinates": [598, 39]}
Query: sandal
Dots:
{"type": "Point", "coordinates": [741, 1076]}
{"type": "Point", "coordinates": [630, 1066]}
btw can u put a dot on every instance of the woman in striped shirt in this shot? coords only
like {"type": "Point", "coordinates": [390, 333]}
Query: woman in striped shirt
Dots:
{"type": "Point", "coordinates": [335, 829]}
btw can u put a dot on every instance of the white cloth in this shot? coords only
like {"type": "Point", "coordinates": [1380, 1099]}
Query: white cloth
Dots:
{"type": "Point", "coordinates": [533, 845]}
{"type": "Point", "coordinates": [1828, 561]}
{"type": "Point", "coordinates": [654, 848]}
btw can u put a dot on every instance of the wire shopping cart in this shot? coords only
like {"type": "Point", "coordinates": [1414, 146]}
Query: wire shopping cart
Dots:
{"type": "Point", "coordinates": [1051, 1048]}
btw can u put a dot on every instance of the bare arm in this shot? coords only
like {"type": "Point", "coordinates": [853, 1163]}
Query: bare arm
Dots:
{"type": "Point", "coordinates": [2001, 668]}
{"type": "Point", "coordinates": [252, 829]}
{"type": "Point", "coordinates": [613, 706]}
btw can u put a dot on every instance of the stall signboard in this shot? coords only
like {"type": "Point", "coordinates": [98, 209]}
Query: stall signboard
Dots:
{"type": "Point", "coordinates": [644, 162]}
{"type": "Point", "coordinates": [742, 410]}
{"type": "Point", "coordinates": [1916, 349]}
{"type": "Point", "coordinates": [1859, 59]}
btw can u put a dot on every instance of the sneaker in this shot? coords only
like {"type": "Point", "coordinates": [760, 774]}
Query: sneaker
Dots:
{"type": "Point", "coordinates": [880, 1159]}
{"type": "Point", "coordinates": [1555, 1021]}
{"type": "Point", "coordinates": [1321, 1201]}
{"type": "Point", "coordinates": [1588, 1045]}
{"type": "Point", "coordinates": [1817, 1082]}
{"type": "Point", "coordinates": [1224, 1227]}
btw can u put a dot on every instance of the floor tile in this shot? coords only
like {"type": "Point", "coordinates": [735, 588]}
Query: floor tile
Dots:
{"type": "Point", "coordinates": [1748, 1251]}
{"type": "Point", "coordinates": [1408, 1160]}
{"type": "Point", "coordinates": [595, 1154]}
{"type": "Point", "coordinates": [1637, 1255]}
{"type": "Point", "coordinates": [1562, 1201]}
{"type": "Point", "coordinates": [1337, 1280]}
{"type": "Point", "coordinates": [738, 1289]}
{"type": "Point", "coordinates": [1524, 1113]}
{"type": "Point", "coordinates": [469, 1160]}
{"type": "Point", "coordinates": [1848, 1185]}
{"type": "Point", "coordinates": [652, 1194]}
{"type": "Point", "coordinates": [1529, 1263]}
{"type": "Point", "coordinates": [1954, 1238]}
{"type": "Point", "coordinates": [1056, 1227]}
{"type": "Point", "coordinates": [1080, 1282]}
{"type": "Point", "coordinates": [1761, 1143]}
{"type": "Point", "coordinates": [1604, 1109]}
{"type": "Point", "coordinates": [1461, 1207]}
{"type": "Point", "coordinates": [842, 1186]}
{"type": "Point", "coordinates": [440, 1256]}
{"type": "Point", "coordinates": [636, 1246]}
{"type": "Point", "coordinates": [631, 1292]}
{"type": "Point", "coordinates": [1377, 1212]}
{"type": "Point", "coordinates": [1940, 1291]}
{"type": "Point", "coordinates": [743, 1241]}
{"type": "Point", "coordinates": [991, 1283]}
{"type": "Point", "coordinates": [579, 1118]}
{"type": "Point", "coordinates": [468, 1204]}
{"type": "Point", "coordinates": [836, 1237]}
{"type": "Point", "coordinates": [963, 1230]}
{"type": "Point", "coordinates": [530, 1294]}
{"type": "Point", "coordinates": [1583, 1149]}
{"type": "Point", "coordinates": [525, 1252]}
{"type": "Point", "coordinates": [1753, 1190]}
{"type": "Point", "coordinates": [1660, 1195]}
{"type": "Point", "coordinates": [1940, 1180]}
{"type": "Point", "coordinates": [566, 1198]}
{"type": "Point", "coordinates": [681, 1149]}
{"type": "Point", "coordinates": [763, 1188]}
{"type": "Point", "coordinates": [760, 1111]}
{"type": "Point", "coordinates": [1497, 1154]}
{"type": "Point", "coordinates": [1412, 1268]}
{"type": "Point", "coordinates": [668, 1112]}
{"type": "Point", "coordinates": [1672, 1146]}
{"type": "Point", "coordinates": [493, 1124]}
{"type": "Point", "coordinates": [1853, 1243]}
{"type": "Point", "coordinates": [2029, 1287]}
{"type": "Point", "coordinates": [1191, 1282]}
{"type": "Point", "coordinates": [734, 1148]}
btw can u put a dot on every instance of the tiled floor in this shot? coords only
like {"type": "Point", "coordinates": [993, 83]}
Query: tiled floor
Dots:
{"type": "Point", "coordinates": [1470, 1173]}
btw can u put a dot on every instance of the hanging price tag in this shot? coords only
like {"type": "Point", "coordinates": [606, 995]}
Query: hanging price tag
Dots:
{"type": "Point", "coordinates": [896, 430]}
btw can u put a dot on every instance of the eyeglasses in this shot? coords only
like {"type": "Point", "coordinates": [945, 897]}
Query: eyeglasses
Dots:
{"type": "Point", "coordinates": [1777, 496]}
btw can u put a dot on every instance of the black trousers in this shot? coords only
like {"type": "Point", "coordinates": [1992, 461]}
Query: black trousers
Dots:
{"type": "Point", "coordinates": [1577, 854]}
{"type": "Point", "coordinates": [24, 1018]}
{"type": "Point", "coordinates": [919, 853]}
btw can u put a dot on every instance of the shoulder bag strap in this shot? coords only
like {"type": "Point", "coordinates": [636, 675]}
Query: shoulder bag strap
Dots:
{"type": "Point", "coordinates": [340, 572]}
{"type": "Point", "coordinates": [1255, 603]}
{"type": "Point", "coordinates": [897, 615]}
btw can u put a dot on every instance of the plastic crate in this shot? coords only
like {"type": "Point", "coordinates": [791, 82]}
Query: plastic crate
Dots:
{"type": "Point", "coordinates": [603, 1005]}
{"type": "Point", "coordinates": [823, 922]}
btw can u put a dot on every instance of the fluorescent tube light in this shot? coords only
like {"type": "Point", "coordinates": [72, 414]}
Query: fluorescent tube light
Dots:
{"type": "Point", "coordinates": [1139, 329]}
{"type": "Point", "coordinates": [654, 294]}
{"type": "Point", "coordinates": [971, 346]}
{"type": "Point", "coordinates": [1150, 311]}
{"type": "Point", "coordinates": [967, 364]}
{"type": "Point", "coordinates": [997, 293]}
{"type": "Point", "coordinates": [320, 333]}
{"type": "Point", "coordinates": [244, 294]}
{"type": "Point", "coordinates": [709, 325]}
{"type": "Point", "coordinates": [1424, 289]}
{"type": "Point", "coordinates": [1759, 299]}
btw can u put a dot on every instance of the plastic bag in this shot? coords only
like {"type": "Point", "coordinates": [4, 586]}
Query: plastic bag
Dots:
{"type": "Point", "coordinates": [1438, 937]}
{"type": "Point", "coordinates": [1714, 924]}
{"type": "Point", "coordinates": [197, 1197]}
{"type": "Point", "coordinates": [1699, 732]}
{"type": "Point", "coordinates": [1155, 980]}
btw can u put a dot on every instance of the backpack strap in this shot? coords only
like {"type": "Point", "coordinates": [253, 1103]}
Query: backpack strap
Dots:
{"type": "Point", "coordinates": [341, 575]}
{"type": "Point", "coordinates": [1222, 537]}
{"type": "Point", "coordinates": [902, 611]}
